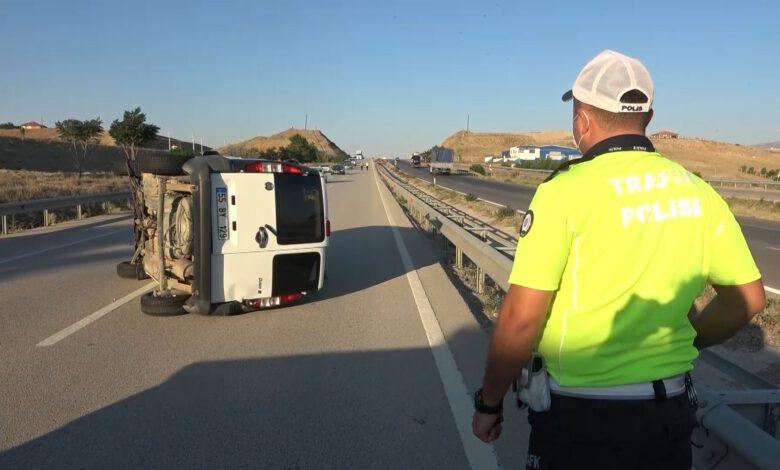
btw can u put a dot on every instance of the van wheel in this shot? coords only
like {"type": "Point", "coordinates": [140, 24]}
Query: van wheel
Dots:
{"type": "Point", "coordinates": [162, 164]}
{"type": "Point", "coordinates": [163, 306]}
{"type": "Point", "coordinates": [129, 270]}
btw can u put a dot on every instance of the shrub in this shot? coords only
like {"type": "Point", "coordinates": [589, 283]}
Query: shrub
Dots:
{"type": "Point", "coordinates": [505, 212]}
{"type": "Point", "coordinates": [470, 197]}
{"type": "Point", "coordinates": [476, 168]}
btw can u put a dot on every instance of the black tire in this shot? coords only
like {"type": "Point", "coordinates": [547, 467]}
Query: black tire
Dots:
{"type": "Point", "coordinates": [128, 270]}
{"type": "Point", "coordinates": [161, 164]}
{"type": "Point", "coordinates": [163, 306]}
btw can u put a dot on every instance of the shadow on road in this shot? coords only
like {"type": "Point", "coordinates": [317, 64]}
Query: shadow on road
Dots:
{"type": "Point", "coordinates": [362, 257]}
{"type": "Point", "coordinates": [372, 409]}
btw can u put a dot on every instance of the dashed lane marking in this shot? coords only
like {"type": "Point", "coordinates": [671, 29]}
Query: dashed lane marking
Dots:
{"type": "Point", "coordinates": [92, 317]}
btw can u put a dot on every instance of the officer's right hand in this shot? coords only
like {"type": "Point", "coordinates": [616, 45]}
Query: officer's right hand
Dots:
{"type": "Point", "coordinates": [486, 427]}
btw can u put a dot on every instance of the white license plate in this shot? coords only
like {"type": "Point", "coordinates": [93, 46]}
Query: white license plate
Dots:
{"type": "Point", "coordinates": [222, 214]}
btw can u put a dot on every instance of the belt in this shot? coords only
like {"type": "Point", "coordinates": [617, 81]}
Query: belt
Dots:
{"type": "Point", "coordinates": [641, 391]}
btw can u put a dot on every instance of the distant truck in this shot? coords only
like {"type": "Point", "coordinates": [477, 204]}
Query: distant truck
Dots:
{"type": "Point", "coordinates": [416, 159]}
{"type": "Point", "coordinates": [442, 160]}
{"type": "Point", "coordinates": [359, 155]}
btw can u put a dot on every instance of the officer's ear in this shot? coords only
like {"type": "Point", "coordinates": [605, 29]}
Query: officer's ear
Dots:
{"type": "Point", "coordinates": [649, 117]}
{"type": "Point", "coordinates": [583, 122]}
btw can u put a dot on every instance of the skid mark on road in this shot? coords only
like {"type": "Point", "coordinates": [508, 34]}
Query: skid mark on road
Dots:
{"type": "Point", "coordinates": [480, 456]}
{"type": "Point", "coordinates": [92, 317]}
{"type": "Point", "coordinates": [65, 245]}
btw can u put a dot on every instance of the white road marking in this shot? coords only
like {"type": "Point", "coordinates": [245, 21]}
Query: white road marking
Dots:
{"type": "Point", "coordinates": [480, 455]}
{"type": "Point", "coordinates": [772, 290]}
{"type": "Point", "coordinates": [62, 334]}
{"type": "Point", "coordinates": [51, 248]}
{"type": "Point", "coordinates": [774, 248]}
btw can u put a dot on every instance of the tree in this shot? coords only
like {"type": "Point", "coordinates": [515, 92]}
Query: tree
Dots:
{"type": "Point", "coordinates": [763, 171]}
{"type": "Point", "coordinates": [743, 168]}
{"type": "Point", "coordinates": [132, 132]}
{"type": "Point", "coordinates": [8, 125]}
{"type": "Point", "coordinates": [80, 135]}
{"type": "Point", "coordinates": [300, 149]}
{"type": "Point", "coordinates": [751, 171]}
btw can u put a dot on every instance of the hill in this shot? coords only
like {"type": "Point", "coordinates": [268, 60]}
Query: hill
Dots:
{"type": "Point", "coordinates": [281, 139]}
{"type": "Point", "coordinates": [42, 150]}
{"type": "Point", "coordinates": [770, 145]}
{"type": "Point", "coordinates": [475, 146]}
{"type": "Point", "coordinates": [710, 158]}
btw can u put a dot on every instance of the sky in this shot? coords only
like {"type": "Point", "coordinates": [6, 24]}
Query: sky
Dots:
{"type": "Point", "coordinates": [387, 77]}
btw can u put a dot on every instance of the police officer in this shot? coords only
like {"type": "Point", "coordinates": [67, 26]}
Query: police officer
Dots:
{"type": "Point", "coordinates": [613, 251]}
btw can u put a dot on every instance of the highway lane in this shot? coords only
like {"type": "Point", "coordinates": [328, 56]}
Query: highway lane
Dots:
{"type": "Point", "coordinates": [762, 236]}
{"type": "Point", "coordinates": [346, 379]}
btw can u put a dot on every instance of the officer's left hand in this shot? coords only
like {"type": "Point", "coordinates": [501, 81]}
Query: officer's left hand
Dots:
{"type": "Point", "coordinates": [486, 427]}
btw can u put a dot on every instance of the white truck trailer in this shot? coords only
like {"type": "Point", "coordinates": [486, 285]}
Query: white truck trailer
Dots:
{"type": "Point", "coordinates": [442, 160]}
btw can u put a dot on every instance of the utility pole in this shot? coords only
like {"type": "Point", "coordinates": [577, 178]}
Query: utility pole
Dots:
{"type": "Point", "coordinates": [201, 145]}
{"type": "Point", "coordinates": [193, 143]}
{"type": "Point", "coordinates": [306, 123]}
{"type": "Point", "coordinates": [169, 143]}
{"type": "Point", "coordinates": [468, 119]}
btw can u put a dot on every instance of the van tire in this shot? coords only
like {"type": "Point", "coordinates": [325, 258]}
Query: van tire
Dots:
{"type": "Point", "coordinates": [165, 164]}
{"type": "Point", "coordinates": [163, 306]}
{"type": "Point", "coordinates": [129, 270]}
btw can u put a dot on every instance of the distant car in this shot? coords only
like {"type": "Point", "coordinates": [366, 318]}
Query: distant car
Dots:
{"type": "Point", "coordinates": [325, 169]}
{"type": "Point", "coordinates": [338, 170]}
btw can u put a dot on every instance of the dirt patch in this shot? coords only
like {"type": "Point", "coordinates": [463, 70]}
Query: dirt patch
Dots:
{"type": "Point", "coordinates": [757, 208]}
{"type": "Point", "coordinates": [22, 185]}
{"type": "Point", "coordinates": [282, 139]}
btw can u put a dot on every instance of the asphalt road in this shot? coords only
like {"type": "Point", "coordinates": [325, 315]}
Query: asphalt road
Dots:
{"type": "Point", "coordinates": [372, 372]}
{"type": "Point", "coordinates": [762, 236]}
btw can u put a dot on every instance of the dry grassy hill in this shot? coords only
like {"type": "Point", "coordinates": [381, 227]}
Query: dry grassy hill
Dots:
{"type": "Point", "coordinates": [281, 139]}
{"type": "Point", "coordinates": [710, 158]}
{"type": "Point", "coordinates": [42, 150]}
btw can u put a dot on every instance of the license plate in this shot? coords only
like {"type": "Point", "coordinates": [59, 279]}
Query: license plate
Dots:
{"type": "Point", "coordinates": [222, 214]}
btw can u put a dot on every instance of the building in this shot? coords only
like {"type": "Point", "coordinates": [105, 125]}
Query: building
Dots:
{"type": "Point", "coordinates": [665, 134]}
{"type": "Point", "coordinates": [542, 152]}
{"type": "Point", "coordinates": [32, 125]}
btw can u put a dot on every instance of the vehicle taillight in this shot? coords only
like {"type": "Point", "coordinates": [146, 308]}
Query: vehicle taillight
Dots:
{"type": "Point", "coordinates": [278, 301]}
{"type": "Point", "coordinates": [327, 227]}
{"type": "Point", "coordinates": [272, 167]}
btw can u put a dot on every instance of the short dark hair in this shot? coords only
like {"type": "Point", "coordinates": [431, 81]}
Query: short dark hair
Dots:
{"type": "Point", "coordinates": [612, 121]}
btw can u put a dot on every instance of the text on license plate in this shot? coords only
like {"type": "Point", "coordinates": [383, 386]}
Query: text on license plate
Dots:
{"type": "Point", "coordinates": [222, 214]}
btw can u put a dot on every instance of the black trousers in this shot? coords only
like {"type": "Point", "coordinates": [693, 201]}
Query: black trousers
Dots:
{"type": "Point", "coordinates": [579, 433]}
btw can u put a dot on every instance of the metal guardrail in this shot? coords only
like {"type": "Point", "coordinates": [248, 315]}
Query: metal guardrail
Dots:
{"type": "Point", "coordinates": [45, 205]}
{"type": "Point", "coordinates": [737, 429]}
{"type": "Point", "coordinates": [721, 183]}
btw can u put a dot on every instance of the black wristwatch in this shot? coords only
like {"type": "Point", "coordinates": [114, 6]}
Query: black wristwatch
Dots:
{"type": "Point", "coordinates": [481, 407]}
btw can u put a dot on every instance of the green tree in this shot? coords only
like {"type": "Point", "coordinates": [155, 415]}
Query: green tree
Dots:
{"type": "Point", "coordinates": [763, 171]}
{"type": "Point", "coordinates": [8, 125]}
{"type": "Point", "coordinates": [743, 168]}
{"type": "Point", "coordinates": [132, 132]}
{"type": "Point", "coordinates": [80, 135]}
{"type": "Point", "coordinates": [751, 171]}
{"type": "Point", "coordinates": [300, 149]}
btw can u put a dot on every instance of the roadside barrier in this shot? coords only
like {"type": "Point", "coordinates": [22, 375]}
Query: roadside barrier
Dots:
{"type": "Point", "coordinates": [737, 428]}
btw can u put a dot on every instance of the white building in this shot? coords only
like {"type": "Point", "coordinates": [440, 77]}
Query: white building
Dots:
{"type": "Point", "coordinates": [524, 153]}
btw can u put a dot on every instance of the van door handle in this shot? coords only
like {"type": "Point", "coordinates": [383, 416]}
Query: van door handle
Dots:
{"type": "Point", "coordinates": [261, 237]}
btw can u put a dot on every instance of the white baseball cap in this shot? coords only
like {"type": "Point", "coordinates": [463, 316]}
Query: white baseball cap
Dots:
{"type": "Point", "coordinates": [606, 78]}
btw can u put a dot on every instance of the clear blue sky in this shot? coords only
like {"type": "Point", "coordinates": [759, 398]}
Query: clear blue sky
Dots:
{"type": "Point", "coordinates": [387, 77]}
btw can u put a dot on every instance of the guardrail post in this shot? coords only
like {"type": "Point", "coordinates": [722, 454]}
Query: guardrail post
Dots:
{"type": "Point", "coordinates": [480, 280]}
{"type": "Point", "coordinates": [105, 207]}
{"type": "Point", "coordinates": [5, 225]}
{"type": "Point", "coordinates": [46, 217]}
{"type": "Point", "coordinates": [78, 212]}
{"type": "Point", "coordinates": [458, 257]}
